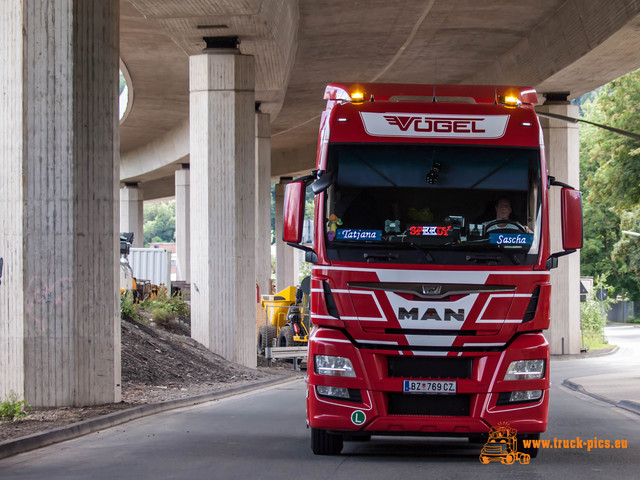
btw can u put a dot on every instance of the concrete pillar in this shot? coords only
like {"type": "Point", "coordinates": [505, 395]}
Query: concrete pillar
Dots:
{"type": "Point", "coordinates": [222, 146]}
{"type": "Point", "coordinates": [263, 202]}
{"type": "Point", "coordinates": [59, 152]}
{"type": "Point", "coordinates": [285, 271]}
{"type": "Point", "coordinates": [183, 225]}
{"type": "Point", "coordinates": [563, 162]}
{"type": "Point", "coordinates": [132, 212]}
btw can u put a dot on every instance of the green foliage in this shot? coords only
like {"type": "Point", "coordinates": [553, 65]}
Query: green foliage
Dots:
{"type": "Point", "coordinates": [160, 222]}
{"type": "Point", "coordinates": [305, 270]}
{"type": "Point", "coordinates": [127, 308]}
{"type": "Point", "coordinates": [609, 171]}
{"type": "Point", "coordinates": [309, 203]}
{"type": "Point", "coordinates": [13, 409]}
{"type": "Point", "coordinates": [123, 83]}
{"type": "Point", "coordinates": [174, 304]}
{"type": "Point", "coordinates": [592, 343]}
{"type": "Point", "coordinates": [593, 312]}
{"type": "Point", "coordinates": [162, 316]}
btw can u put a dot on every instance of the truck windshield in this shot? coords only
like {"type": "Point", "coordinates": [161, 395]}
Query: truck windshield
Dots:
{"type": "Point", "coordinates": [433, 204]}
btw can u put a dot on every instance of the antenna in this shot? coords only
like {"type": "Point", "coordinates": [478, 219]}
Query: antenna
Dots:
{"type": "Point", "coordinates": [495, 83]}
{"type": "Point", "coordinates": [435, 80]}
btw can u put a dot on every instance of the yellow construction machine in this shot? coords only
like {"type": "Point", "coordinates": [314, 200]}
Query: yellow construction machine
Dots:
{"type": "Point", "coordinates": [287, 317]}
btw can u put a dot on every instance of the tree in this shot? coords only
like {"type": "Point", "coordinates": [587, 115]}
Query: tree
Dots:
{"type": "Point", "coordinates": [160, 222]}
{"type": "Point", "coordinates": [610, 169]}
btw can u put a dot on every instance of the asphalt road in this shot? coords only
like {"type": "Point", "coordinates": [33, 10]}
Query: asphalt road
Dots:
{"type": "Point", "coordinates": [262, 435]}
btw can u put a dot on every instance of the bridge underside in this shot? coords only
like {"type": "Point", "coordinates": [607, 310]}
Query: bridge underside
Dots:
{"type": "Point", "coordinates": [243, 117]}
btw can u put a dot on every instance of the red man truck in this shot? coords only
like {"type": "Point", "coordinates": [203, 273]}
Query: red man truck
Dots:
{"type": "Point", "coordinates": [430, 285]}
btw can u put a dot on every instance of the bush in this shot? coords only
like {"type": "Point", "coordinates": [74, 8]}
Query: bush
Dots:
{"type": "Point", "coordinates": [174, 303]}
{"type": "Point", "coordinates": [593, 312]}
{"type": "Point", "coordinates": [127, 308]}
{"type": "Point", "coordinates": [162, 316]}
{"type": "Point", "coordinates": [13, 409]}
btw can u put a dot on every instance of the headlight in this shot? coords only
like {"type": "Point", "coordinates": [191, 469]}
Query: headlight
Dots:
{"type": "Point", "coordinates": [336, 366]}
{"type": "Point", "coordinates": [527, 396]}
{"type": "Point", "coordinates": [338, 392]}
{"type": "Point", "coordinates": [525, 370]}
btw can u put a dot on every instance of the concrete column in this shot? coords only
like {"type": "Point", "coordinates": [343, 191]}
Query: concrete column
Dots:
{"type": "Point", "coordinates": [263, 202]}
{"type": "Point", "coordinates": [132, 212]}
{"type": "Point", "coordinates": [222, 146]}
{"type": "Point", "coordinates": [285, 271]}
{"type": "Point", "coordinates": [183, 225]}
{"type": "Point", "coordinates": [59, 152]}
{"type": "Point", "coordinates": [563, 162]}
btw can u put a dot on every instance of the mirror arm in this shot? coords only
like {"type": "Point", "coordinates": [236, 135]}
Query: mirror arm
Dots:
{"type": "Point", "coordinates": [555, 183]}
{"type": "Point", "coordinates": [309, 254]}
{"type": "Point", "coordinates": [552, 261]}
{"type": "Point", "coordinates": [308, 179]}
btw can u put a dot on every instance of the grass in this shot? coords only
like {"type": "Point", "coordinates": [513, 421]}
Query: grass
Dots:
{"type": "Point", "coordinates": [13, 409]}
{"type": "Point", "coordinates": [593, 343]}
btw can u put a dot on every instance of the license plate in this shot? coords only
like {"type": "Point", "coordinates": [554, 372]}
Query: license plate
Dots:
{"type": "Point", "coordinates": [433, 387]}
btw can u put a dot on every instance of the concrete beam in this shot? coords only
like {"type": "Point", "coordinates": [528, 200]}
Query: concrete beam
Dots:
{"type": "Point", "coordinates": [183, 223]}
{"type": "Point", "coordinates": [563, 162]}
{"type": "Point", "coordinates": [263, 202]}
{"type": "Point", "coordinates": [222, 119]}
{"type": "Point", "coordinates": [132, 212]}
{"type": "Point", "coordinates": [59, 298]}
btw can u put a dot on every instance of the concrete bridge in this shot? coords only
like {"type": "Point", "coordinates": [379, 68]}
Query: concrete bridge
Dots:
{"type": "Point", "coordinates": [225, 97]}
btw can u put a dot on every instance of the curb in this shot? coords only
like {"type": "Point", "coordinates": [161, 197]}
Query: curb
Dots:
{"type": "Point", "coordinates": [574, 356]}
{"type": "Point", "coordinates": [625, 404]}
{"type": "Point", "coordinates": [75, 430]}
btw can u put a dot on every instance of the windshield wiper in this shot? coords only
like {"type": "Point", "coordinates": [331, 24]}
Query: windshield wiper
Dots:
{"type": "Point", "coordinates": [490, 259]}
{"type": "Point", "coordinates": [483, 258]}
{"type": "Point", "coordinates": [372, 257]}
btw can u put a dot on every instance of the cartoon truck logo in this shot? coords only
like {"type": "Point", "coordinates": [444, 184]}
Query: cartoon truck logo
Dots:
{"type": "Point", "coordinates": [502, 446]}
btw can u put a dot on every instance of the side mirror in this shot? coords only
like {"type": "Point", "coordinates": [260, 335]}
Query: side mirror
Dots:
{"type": "Point", "coordinates": [571, 210]}
{"type": "Point", "coordinates": [293, 212]}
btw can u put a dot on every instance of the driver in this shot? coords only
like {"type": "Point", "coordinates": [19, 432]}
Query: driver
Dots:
{"type": "Point", "coordinates": [503, 212]}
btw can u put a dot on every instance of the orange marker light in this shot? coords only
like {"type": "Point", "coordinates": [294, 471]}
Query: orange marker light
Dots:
{"type": "Point", "coordinates": [511, 101]}
{"type": "Point", "coordinates": [357, 96]}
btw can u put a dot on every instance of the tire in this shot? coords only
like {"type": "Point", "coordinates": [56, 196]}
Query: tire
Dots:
{"type": "Point", "coordinates": [263, 333]}
{"type": "Point", "coordinates": [285, 338]}
{"type": "Point", "coordinates": [531, 451]}
{"type": "Point", "coordinates": [324, 443]}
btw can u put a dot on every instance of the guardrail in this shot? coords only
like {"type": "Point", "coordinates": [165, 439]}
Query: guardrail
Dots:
{"type": "Point", "coordinates": [296, 353]}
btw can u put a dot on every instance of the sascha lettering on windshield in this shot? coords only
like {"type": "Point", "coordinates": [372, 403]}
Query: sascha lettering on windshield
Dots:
{"type": "Point", "coordinates": [511, 238]}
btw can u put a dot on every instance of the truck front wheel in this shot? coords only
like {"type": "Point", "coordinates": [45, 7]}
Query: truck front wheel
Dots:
{"type": "Point", "coordinates": [325, 443]}
{"type": "Point", "coordinates": [530, 450]}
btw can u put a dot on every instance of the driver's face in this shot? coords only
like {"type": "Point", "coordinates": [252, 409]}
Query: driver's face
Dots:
{"type": "Point", "coordinates": [503, 210]}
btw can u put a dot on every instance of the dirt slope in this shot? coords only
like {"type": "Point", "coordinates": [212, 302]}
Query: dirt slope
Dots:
{"type": "Point", "coordinates": [158, 364]}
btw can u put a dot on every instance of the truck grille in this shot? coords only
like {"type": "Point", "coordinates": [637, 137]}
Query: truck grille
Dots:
{"type": "Point", "coordinates": [423, 367]}
{"type": "Point", "coordinates": [442, 405]}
